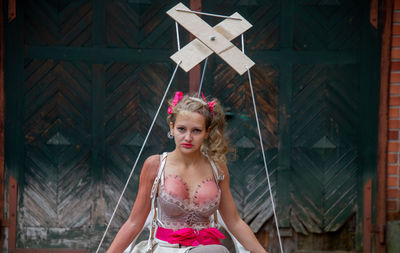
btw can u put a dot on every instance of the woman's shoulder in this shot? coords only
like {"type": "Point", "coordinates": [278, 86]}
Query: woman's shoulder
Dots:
{"type": "Point", "coordinates": [153, 160]}
{"type": "Point", "coordinates": [150, 166]}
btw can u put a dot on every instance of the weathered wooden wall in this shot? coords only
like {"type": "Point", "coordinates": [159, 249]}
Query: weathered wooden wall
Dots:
{"type": "Point", "coordinates": [85, 79]}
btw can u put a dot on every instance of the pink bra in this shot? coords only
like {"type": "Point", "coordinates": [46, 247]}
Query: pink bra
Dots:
{"type": "Point", "coordinates": [177, 210]}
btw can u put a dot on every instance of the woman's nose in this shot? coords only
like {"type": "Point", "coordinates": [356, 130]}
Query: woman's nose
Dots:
{"type": "Point", "coordinates": [188, 136]}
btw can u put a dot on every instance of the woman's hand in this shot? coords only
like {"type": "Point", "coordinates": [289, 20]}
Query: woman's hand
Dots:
{"type": "Point", "coordinates": [141, 208]}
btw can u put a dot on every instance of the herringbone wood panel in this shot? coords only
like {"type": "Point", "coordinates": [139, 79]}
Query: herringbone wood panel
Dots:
{"type": "Point", "coordinates": [84, 122]}
{"type": "Point", "coordinates": [138, 25]}
{"type": "Point", "coordinates": [57, 176]}
{"type": "Point", "coordinates": [56, 23]}
{"type": "Point", "coordinates": [324, 127]}
{"type": "Point", "coordinates": [327, 25]}
{"type": "Point", "coordinates": [133, 92]}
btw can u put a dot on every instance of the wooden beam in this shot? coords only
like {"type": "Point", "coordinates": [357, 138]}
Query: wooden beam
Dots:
{"type": "Point", "coordinates": [12, 215]}
{"type": "Point", "coordinates": [98, 54]}
{"type": "Point", "coordinates": [367, 216]}
{"type": "Point", "coordinates": [2, 44]}
{"type": "Point", "coordinates": [212, 38]}
{"type": "Point", "coordinates": [373, 13]}
{"type": "Point", "coordinates": [195, 73]}
{"type": "Point", "coordinates": [196, 51]}
{"type": "Point", "coordinates": [383, 123]}
{"type": "Point", "coordinates": [101, 55]}
{"type": "Point", "coordinates": [12, 10]}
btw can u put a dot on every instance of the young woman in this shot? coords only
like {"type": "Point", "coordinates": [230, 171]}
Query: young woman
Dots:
{"type": "Point", "coordinates": [194, 184]}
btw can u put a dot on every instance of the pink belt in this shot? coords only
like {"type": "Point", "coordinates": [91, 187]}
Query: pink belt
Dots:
{"type": "Point", "coordinates": [189, 236]}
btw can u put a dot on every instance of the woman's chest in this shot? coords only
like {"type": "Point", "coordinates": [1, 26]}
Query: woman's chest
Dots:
{"type": "Point", "coordinates": [197, 192]}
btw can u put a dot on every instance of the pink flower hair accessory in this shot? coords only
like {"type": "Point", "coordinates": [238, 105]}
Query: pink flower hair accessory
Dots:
{"type": "Point", "coordinates": [177, 98]}
{"type": "Point", "coordinates": [210, 104]}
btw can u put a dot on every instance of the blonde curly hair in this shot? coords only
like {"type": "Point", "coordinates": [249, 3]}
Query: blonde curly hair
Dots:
{"type": "Point", "coordinates": [216, 145]}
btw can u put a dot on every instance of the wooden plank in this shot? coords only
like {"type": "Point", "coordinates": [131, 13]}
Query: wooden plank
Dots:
{"type": "Point", "coordinates": [231, 29]}
{"type": "Point", "coordinates": [2, 103]}
{"type": "Point", "coordinates": [199, 28]}
{"type": "Point", "coordinates": [191, 54]}
{"type": "Point", "coordinates": [12, 10]}
{"type": "Point", "coordinates": [284, 114]}
{"type": "Point", "coordinates": [396, 5]}
{"type": "Point", "coordinates": [14, 42]}
{"type": "Point", "coordinates": [98, 94]}
{"type": "Point", "coordinates": [237, 60]}
{"type": "Point", "coordinates": [309, 57]}
{"type": "Point", "coordinates": [98, 55]}
{"type": "Point", "coordinates": [383, 120]}
{"type": "Point", "coordinates": [285, 144]}
{"type": "Point", "coordinates": [373, 13]}
{"type": "Point", "coordinates": [196, 51]}
{"type": "Point", "coordinates": [367, 217]}
{"type": "Point", "coordinates": [12, 214]}
{"type": "Point", "coordinates": [195, 73]}
{"type": "Point", "coordinates": [211, 38]}
{"type": "Point", "coordinates": [99, 22]}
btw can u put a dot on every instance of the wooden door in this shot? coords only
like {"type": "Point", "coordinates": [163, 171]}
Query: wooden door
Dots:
{"type": "Point", "coordinates": [84, 79]}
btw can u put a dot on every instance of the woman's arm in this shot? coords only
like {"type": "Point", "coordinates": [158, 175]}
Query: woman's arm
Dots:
{"type": "Point", "coordinates": [235, 224]}
{"type": "Point", "coordinates": [140, 209]}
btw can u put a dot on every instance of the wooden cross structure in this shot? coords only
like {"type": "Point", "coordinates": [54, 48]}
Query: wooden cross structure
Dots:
{"type": "Point", "coordinates": [210, 40]}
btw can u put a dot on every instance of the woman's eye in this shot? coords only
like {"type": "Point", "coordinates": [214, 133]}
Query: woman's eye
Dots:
{"type": "Point", "coordinates": [197, 130]}
{"type": "Point", "coordinates": [180, 129]}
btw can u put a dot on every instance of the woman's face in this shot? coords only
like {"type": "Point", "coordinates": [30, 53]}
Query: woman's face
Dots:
{"type": "Point", "coordinates": [189, 131]}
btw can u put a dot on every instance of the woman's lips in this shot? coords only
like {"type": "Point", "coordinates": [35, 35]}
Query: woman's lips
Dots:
{"type": "Point", "coordinates": [187, 145]}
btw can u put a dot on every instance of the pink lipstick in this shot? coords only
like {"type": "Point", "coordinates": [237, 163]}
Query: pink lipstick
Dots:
{"type": "Point", "coordinates": [187, 145]}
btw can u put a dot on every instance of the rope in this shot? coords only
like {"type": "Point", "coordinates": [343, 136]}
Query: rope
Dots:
{"type": "Point", "coordinates": [137, 159]}
{"type": "Point", "coordinates": [202, 76]}
{"type": "Point", "coordinates": [265, 163]}
{"type": "Point", "coordinates": [242, 38]}
{"type": "Point", "coordinates": [177, 36]}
